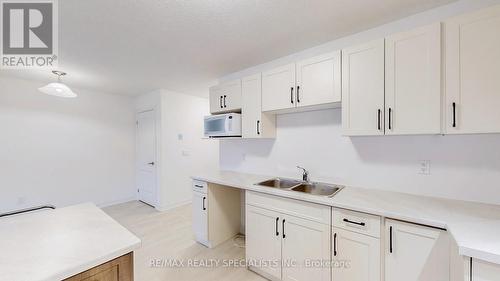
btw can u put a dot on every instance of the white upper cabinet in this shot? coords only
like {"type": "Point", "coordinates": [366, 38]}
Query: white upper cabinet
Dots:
{"type": "Point", "coordinates": [308, 84]}
{"type": "Point", "coordinates": [225, 97]}
{"type": "Point", "coordinates": [472, 73]}
{"type": "Point", "coordinates": [255, 124]}
{"type": "Point", "coordinates": [278, 88]}
{"type": "Point", "coordinates": [416, 253]}
{"type": "Point", "coordinates": [319, 80]}
{"type": "Point", "coordinates": [413, 81]}
{"type": "Point", "coordinates": [363, 89]}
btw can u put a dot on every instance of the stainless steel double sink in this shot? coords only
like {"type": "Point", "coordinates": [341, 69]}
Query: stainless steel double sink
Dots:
{"type": "Point", "coordinates": [313, 188]}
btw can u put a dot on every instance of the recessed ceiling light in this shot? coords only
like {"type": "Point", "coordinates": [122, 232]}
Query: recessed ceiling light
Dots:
{"type": "Point", "coordinates": [57, 88]}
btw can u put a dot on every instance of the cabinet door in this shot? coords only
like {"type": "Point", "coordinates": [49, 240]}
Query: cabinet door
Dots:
{"type": "Point", "coordinates": [263, 241]}
{"type": "Point", "coordinates": [485, 271]}
{"type": "Point", "coordinates": [472, 68]}
{"type": "Point", "coordinates": [278, 88]}
{"type": "Point", "coordinates": [363, 89]}
{"type": "Point", "coordinates": [215, 97]}
{"type": "Point", "coordinates": [231, 95]}
{"type": "Point", "coordinates": [413, 82]}
{"type": "Point", "coordinates": [356, 257]}
{"type": "Point", "coordinates": [119, 269]}
{"type": "Point", "coordinates": [416, 253]}
{"type": "Point", "coordinates": [318, 80]}
{"type": "Point", "coordinates": [304, 242]}
{"type": "Point", "coordinates": [200, 217]}
{"type": "Point", "coordinates": [251, 88]}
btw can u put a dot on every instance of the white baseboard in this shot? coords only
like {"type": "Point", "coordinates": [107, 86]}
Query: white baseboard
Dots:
{"type": "Point", "coordinates": [173, 206]}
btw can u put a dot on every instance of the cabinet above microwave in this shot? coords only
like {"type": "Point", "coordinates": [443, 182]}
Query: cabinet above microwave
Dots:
{"type": "Point", "coordinates": [226, 97]}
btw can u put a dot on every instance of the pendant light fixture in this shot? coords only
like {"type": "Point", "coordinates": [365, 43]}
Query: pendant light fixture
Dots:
{"type": "Point", "coordinates": [58, 88]}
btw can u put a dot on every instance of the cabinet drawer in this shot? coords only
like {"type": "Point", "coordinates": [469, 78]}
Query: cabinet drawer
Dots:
{"type": "Point", "coordinates": [200, 186]}
{"type": "Point", "coordinates": [356, 222]}
{"type": "Point", "coordinates": [297, 208]}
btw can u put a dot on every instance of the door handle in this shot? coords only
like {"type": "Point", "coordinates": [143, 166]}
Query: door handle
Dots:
{"type": "Point", "coordinates": [390, 239]}
{"type": "Point", "coordinates": [379, 120]}
{"type": "Point", "coordinates": [354, 222]}
{"type": "Point", "coordinates": [291, 95]}
{"type": "Point", "coordinates": [298, 94]}
{"type": "Point", "coordinates": [390, 118]}
{"type": "Point", "coordinates": [283, 229]}
{"type": "Point", "coordinates": [277, 231]}
{"type": "Point", "coordinates": [454, 115]}
{"type": "Point", "coordinates": [204, 208]}
{"type": "Point", "coordinates": [151, 163]}
{"type": "Point", "coordinates": [258, 127]}
{"type": "Point", "coordinates": [335, 244]}
{"type": "Point", "coordinates": [225, 101]}
{"type": "Point", "coordinates": [220, 102]}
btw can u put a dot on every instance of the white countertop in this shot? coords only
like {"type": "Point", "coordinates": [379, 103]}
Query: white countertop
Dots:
{"type": "Point", "coordinates": [57, 244]}
{"type": "Point", "coordinates": [474, 226]}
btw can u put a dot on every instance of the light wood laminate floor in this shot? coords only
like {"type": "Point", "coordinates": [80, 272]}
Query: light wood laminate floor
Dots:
{"type": "Point", "coordinates": [168, 235]}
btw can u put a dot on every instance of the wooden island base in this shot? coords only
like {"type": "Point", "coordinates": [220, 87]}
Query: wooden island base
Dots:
{"type": "Point", "coordinates": [119, 269]}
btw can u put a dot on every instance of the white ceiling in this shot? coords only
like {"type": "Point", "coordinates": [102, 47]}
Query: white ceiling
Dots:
{"type": "Point", "coordinates": [132, 47]}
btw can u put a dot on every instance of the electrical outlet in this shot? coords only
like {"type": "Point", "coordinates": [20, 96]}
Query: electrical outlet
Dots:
{"type": "Point", "coordinates": [425, 167]}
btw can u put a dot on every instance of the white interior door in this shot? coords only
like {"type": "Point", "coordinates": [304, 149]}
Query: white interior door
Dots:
{"type": "Point", "coordinates": [146, 157]}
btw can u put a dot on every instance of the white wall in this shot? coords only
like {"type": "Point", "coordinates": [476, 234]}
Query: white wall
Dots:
{"type": "Point", "coordinates": [462, 167]}
{"type": "Point", "coordinates": [64, 151]}
{"type": "Point", "coordinates": [182, 151]}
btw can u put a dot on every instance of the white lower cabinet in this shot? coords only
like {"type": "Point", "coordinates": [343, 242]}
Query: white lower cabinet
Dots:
{"type": "Point", "coordinates": [263, 241]}
{"type": "Point", "coordinates": [416, 253]}
{"type": "Point", "coordinates": [200, 217]}
{"type": "Point", "coordinates": [485, 271]}
{"type": "Point", "coordinates": [305, 250]}
{"type": "Point", "coordinates": [216, 213]}
{"type": "Point", "coordinates": [356, 257]}
{"type": "Point", "coordinates": [286, 247]}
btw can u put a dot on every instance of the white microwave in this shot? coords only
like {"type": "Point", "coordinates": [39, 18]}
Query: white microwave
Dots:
{"type": "Point", "coordinates": [223, 125]}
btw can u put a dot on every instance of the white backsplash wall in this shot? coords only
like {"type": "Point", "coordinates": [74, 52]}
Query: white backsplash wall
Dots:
{"type": "Point", "coordinates": [465, 167]}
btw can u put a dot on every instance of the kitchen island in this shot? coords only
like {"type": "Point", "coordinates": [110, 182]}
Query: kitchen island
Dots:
{"type": "Point", "coordinates": [74, 242]}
